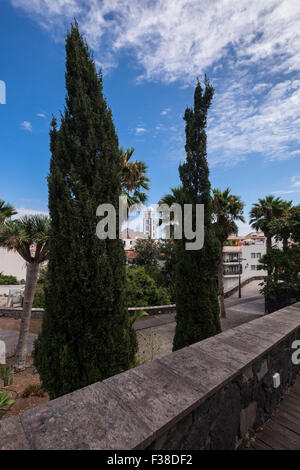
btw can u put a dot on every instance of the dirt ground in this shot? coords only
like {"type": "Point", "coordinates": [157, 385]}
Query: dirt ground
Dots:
{"type": "Point", "coordinates": [21, 381]}
{"type": "Point", "coordinates": [13, 324]}
{"type": "Point", "coordinates": [35, 324]}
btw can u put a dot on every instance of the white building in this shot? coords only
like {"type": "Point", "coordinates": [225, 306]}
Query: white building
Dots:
{"type": "Point", "coordinates": [150, 223]}
{"type": "Point", "coordinates": [12, 264]}
{"type": "Point", "coordinates": [130, 237]}
{"type": "Point", "coordinates": [242, 260]}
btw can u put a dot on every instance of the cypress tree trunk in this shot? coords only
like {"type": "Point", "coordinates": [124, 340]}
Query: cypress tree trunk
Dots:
{"type": "Point", "coordinates": [197, 303]}
{"type": "Point", "coordinates": [30, 287]}
{"type": "Point", "coordinates": [86, 336]}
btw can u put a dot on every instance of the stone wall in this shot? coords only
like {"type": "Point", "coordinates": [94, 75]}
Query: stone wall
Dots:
{"type": "Point", "coordinates": [16, 312]}
{"type": "Point", "coordinates": [155, 310]}
{"type": "Point", "coordinates": [210, 395]}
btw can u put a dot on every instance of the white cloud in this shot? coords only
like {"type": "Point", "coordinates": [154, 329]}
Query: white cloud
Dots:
{"type": "Point", "coordinates": [21, 211]}
{"type": "Point", "coordinates": [282, 192]}
{"type": "Point", "coordinates": [140, 130]}
{"type": "Point", "coordinates": [42, 115]}
{"type": "Point", "coordinates": [250, 49]}
{"type": "Point", "coordinates": [165, 111]}
{"type": "Point", "coordinates": [294, 188]}
{"type": "Point", "coordinates": [27, 126]}
{"type": "Point", "coordinates": [295, 181]}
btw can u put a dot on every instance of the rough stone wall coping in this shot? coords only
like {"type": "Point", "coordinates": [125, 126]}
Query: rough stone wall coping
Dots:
{"type": "Point", "coordinates": [132, 409]}
{"type": "Point", "coordinates": [16, 312]}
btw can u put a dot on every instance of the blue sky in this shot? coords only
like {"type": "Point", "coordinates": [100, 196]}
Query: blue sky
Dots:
{"type": "Point", "coordinates": [151, 53]}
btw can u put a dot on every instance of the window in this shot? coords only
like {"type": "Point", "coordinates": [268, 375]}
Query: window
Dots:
{"type": "Point", "coordinates": [258, 255]}
{"type": "Point", "coordinates": [253, 267]}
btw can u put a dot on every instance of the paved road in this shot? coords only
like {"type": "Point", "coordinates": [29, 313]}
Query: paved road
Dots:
{"type": "Point", "coordinates": [155, 333]}
{"type": "Point", "coordinates": [155, 338]}
{"type": "Point", "coordinates": [11, 339]}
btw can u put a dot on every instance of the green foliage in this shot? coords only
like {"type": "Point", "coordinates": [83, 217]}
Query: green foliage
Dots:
{"type": "Point", "coordinates": [197, 305]}
{"type": "Point", "coordinates": [150, 345]}
{"type": "Point", "coordinates": [287, 225]}
{"type": "Point", "coordinates": [7, 375]}
{"type": "Point", "coordinates": [20, 234]}
{"type": "Point", "coordinates": [34, 390]}
{"type": "Point", "coordinates": [263, 212]}
{"type": "Point", "coordinates": [7, 280]}
{"type": "Point", "coordinates": [284, 272]}
{"type": "Point", "coordinates": [294, 219]}
{"type": "Point", "coordinates": [5, 402]}
{"type": "Point", "coordinates": [168, 271]}
{"type": "Point", "coordinates": [141, 289]}
{"type": "Point", "coordinates": [133, 178]}
{"type": "Point", "coordinates": [136, 315]}
{"type": "Point", "coordinates": [227, 209]}
{"type": "Point", "coordinates": [39, 297]}
{"type": "Point", "coordinates": [6, 211]}
{"type": "Point", "coordinates": [86, 336]}
{"type": "Point", "coordinates": [147, 252]}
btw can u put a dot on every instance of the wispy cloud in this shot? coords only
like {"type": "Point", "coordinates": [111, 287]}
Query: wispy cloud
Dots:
{"type": "Point", "coordinates": [255, 42]}
{"type": "Point", "coordinates": [21, 211]}
{"type": "Point", "coordinates": [42, 115]}
{"type": "Point", "coordinates": [295, 180]}
{"type": "Point", "coordinates": [27, 126]}
{"type": "Point", "coordinates": [294, 187]}
{"type": "Point", "coordinates": [165, 111]}
{"type": "Point", "coordinates": [140, 130]}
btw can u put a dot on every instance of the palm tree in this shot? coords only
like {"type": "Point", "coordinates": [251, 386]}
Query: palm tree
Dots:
{"type": "Point", "coordinates": [177, 196]}
{"type": "Point", "coordinates": [262, 214]}
{"type": "Point", "coordinates": [227, 209]}
{"type": "Point", "coordinates": [286, 207]}
{"type": "Point", "coordinates": [29, 236]}
{"type": "Point", "coordinates": [133, 178]}
{"type": "Point", "coordinates": [6, 211]}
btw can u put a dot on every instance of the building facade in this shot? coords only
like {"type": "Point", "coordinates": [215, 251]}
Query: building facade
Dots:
{"type": "Point", "coordinates": [150, 223]}
{"type": "Point", "coordinates": [241, 258]}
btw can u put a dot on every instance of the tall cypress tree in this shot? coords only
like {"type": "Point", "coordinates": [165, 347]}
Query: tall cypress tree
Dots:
{"type": "Point", "coordinates": [197, 306]}
{"type": "Point", "coordinates": [85, 335]}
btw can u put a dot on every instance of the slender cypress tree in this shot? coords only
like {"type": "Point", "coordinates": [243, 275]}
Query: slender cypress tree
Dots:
{"type": "Point", "coordinates": [197, 306]}
{"type": "Point", "coordinates": [85, 335]}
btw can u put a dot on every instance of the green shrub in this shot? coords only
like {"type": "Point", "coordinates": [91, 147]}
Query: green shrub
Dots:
{"type": "Point", "coordinates": [5, 402]}
{"type": "Point", "coordinates": [34, 390]}
{"type": "Point", "coordinates": [6, 280]}
{"type": "Point", "coordinates": [141, 289]}
{"type": "Point", "coordinates": [39, 297]}
{"type": "Point", "coordinates": [7, 375]}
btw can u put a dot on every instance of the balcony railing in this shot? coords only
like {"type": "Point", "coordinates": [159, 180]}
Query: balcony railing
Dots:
{"type": "Point", "coordinates": [227, 271]}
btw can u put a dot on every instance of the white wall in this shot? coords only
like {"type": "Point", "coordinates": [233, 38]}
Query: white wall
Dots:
{"type": "Point", "coordinates": [249, 262]}
{"type": "Point", "coordinates": [230, 281]}
{"type": "Point", "coordinates": [11, 263]}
